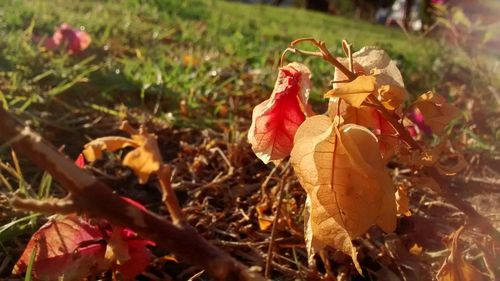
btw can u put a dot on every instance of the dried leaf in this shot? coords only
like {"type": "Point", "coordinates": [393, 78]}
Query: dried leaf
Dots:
{"type": "Point", "coordinates": [376, 60]}
{"type": "Point", "coordinates": [356, 91]}
{"type": "Point", "coordinates": [93, 150]}
{"type": "Point", "coordinates": [275, 121]}
{"type": "Point", "coordinates": [146, 159]}
{"type": "Point", "coordinates": [391, 96]}
{"type": "Point", "coordinates": [416, 250]}
{"type": "Point", "coordinates": [436, 111]}
{"type": "Point", "coordinates": [343, 173]}
{"type": "Point", "coordinates": [74, 39]}
{"type": "Point", "coordinates": [455, 267]}
{"type": "Point", "coordinates": [402, 200]}
{"type": "Point", "coordinates": [67, 246]}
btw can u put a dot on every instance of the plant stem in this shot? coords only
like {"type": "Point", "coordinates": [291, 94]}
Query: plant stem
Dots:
{"type": "Point", "coordinates": [281, 191]}
{"type": "Point", "coordinates": [169, 198]}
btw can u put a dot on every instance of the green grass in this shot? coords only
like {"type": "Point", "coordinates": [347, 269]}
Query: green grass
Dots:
{"type": "Point", "coordinates": [135, 58]}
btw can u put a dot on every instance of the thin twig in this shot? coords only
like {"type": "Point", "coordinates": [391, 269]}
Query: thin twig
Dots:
{"type": "Point", "coordinates": [281, 191]}
{"type": "Point", "coordinates": [169, 198]}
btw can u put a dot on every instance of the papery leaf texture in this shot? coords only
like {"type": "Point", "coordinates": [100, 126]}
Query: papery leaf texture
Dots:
{"type": "Point", "coordinates": [275, 120]}
{"type": "Point", "coordinates": [436, 111]}
{"type": "Point", "coordinates": [341, 169]}
{"type": "Point", "coordinates": [455, 267]}
{"type": "Point", "coordinates": [356, 91]}
{"type": "Point", "coordinates": [146, 159]}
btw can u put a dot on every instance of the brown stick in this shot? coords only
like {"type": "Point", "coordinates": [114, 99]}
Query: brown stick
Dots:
{"type": "Point", "coordinates": [94, 198]}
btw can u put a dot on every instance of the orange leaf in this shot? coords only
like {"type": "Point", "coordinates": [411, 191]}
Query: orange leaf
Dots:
{"type": "Point", "coordinates": [356, 91]}
{"type": "Point", "coordinates": [436, 111]}
{"type": "Point", "coordinates": [391, 96]}
{"type": "Point", "coordinates": [344, 175]}
{"type": "Point", "coordinates": [93, 150]}
{"type": "Point", "coordinates": [455, 267]}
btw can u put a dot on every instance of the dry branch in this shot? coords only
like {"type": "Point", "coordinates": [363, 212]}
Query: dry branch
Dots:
{"type": "Point", "coordinates": [92, 197]}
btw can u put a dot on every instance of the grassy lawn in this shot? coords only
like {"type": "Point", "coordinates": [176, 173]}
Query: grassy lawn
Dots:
{"type": "Point", "coordinates": [162, 53]}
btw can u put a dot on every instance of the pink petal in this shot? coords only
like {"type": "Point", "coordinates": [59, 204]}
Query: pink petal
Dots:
{"type": "Point", "coordinates": [275, 121]}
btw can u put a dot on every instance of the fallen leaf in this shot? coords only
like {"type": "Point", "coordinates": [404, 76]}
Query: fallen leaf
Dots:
{"type": "Point", "coordinates": [437, 113]}
{"type": "Point", "coordinates": [455, 267]}
{"type": "Point", "coordinates": [416, 250]}
{"type": "Point", "coordinates": [65, 245]}
{"type": "Point", "coordinates": [356, 91]}
{"type": "Point", "coordinates": [402, 200]}
{"type": "Point", "coordinates": [75, 40]}
{"type": "Point", "coordinates": [145, 159]}
{"type": "Point", "coordinates": [93, 150]}
{"type": "Point", "coordinates": [275, 120]}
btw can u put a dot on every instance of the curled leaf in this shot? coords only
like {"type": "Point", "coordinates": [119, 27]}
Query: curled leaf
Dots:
{"type": "Point", "coordinates": [455, 267]}
{"type": "Point", "coordinates": [436, 112]}
{"type": "Point", "coordinates": [93, 150]}
{"type": "Point", "coordinates": [275, 120]}
{"type": "Point", "coordinates": [145, 159]}
{"type": "Point", "coordinates": [356, 91]}
{"type": "Point", "coordinates": [402, 200]}
{"type": "Point", "coordinates": [391, 96]}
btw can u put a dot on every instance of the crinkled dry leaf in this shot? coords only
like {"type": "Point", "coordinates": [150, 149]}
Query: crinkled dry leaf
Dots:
{"type": "Point", "coordinates": [436, 111]}
{"type": "Point", "coordinates": [402, 200]}
{"type": "Point", "coordinates": [376, 60]}
{"type": "Point", "coordinates": [391, 96]}
{"type": "Point", "coordinates": [343, 173]}
{"type": "Point", "coordinates": [455, 167]}
{"type": "Point", "coordinates": [455, 267]}
{"type": "Point", "coordinates": [93, 150]}
{"type": "Point", "coordinates": [322, 230]}
{"type": "Point", "coordinates": [146, 159]}
{"type": "Point", "coordinates": [356, 91]}
{"type": "Point", "coordinates": [275, 121]}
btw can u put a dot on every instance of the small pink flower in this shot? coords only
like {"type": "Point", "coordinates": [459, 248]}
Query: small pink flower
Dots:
{"type": "Point", "coordinates": [418, 119]}
{"type": "Point", "coordinates": [74, 39]}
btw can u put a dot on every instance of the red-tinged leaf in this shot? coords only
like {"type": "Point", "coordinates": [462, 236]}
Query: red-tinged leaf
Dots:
{"type": "Point", "coordinates": [74, 39]}
{"type": "Point", "coordinates": [140, 257]}
{"type": "Point", "coordinates": [66, 246]}
{"type": "Point", "coordinates": [275, 121]}
{"type": "Point", "coordinates": [80, 161]}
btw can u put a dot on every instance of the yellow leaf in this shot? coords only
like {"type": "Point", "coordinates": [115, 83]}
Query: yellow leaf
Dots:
{"type": "Point", "coordinates": [93, 150]}
{"type": "Point", "coordinates": [343, 173]}
{"type": "Point", "coordinates": [402, 201]}
{"type": "Point", "coordinates": [391, 96]}
{"type": "Point", "coordinates": [416, 250]}
{"type": "Point", "coordinates": [356, 91]}
{"type": "Point", "coordinates": [321, 230]}
{"type": "Point", "coordinates": [145, 159]}
{"type": "Point", "coordinates": [455, 267]}
{"type": "Point", "coordinates": [436, 111]}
